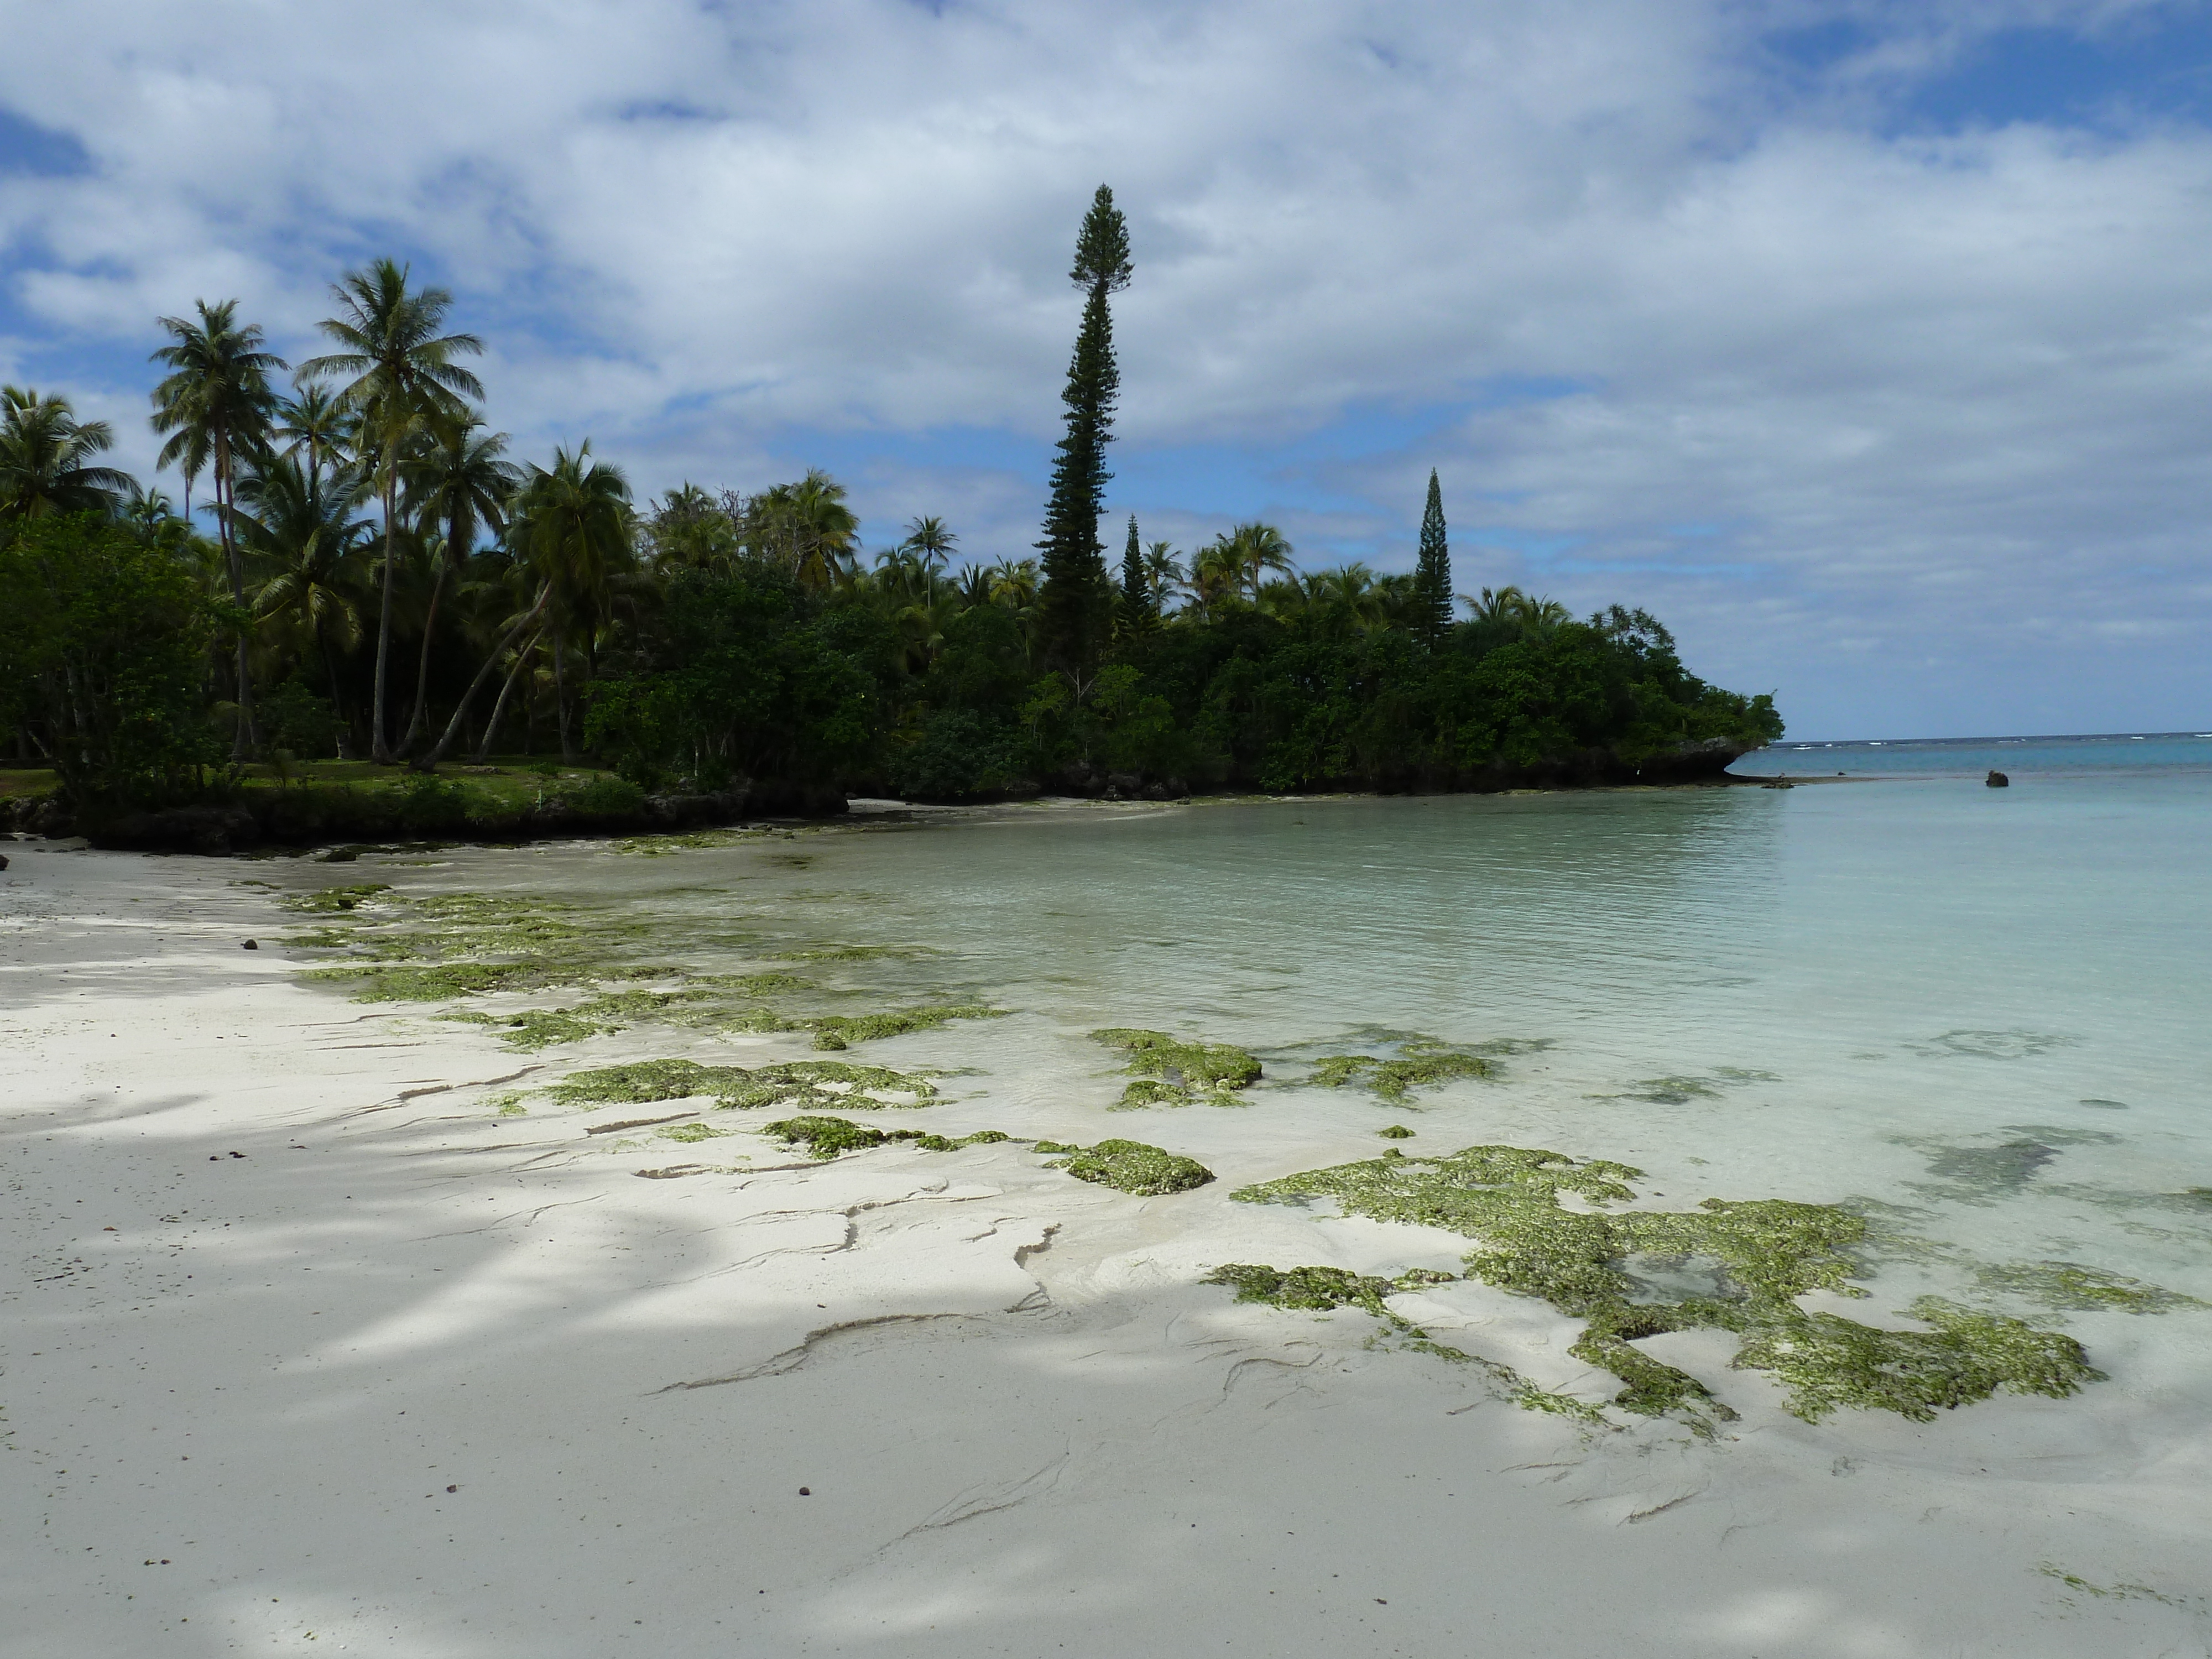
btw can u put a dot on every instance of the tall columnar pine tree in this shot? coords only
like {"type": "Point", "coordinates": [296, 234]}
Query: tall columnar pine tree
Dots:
{"type": "Point", "coordinates": [1077, 598]}
{"type": "Point", "coordinates": [1432, 585]}
{"type": "Point", "coordinates": [1136, 593]}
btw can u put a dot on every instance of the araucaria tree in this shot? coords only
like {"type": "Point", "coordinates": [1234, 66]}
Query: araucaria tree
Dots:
{"type": "Point", "coordinates": [1432, 585]}
{"type": "Point", "coordinates": [1136, 594]}
{"type": "Point", "coordinates": [1077, 598]}
{"type": "Point", "coordinates": [403, 377]}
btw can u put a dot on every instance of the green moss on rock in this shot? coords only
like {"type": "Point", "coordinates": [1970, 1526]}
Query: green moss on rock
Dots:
{"type": "Point", "coordinates": [1171, 1072]}
{"type": "Point", "coordinates": [1130, 1166]}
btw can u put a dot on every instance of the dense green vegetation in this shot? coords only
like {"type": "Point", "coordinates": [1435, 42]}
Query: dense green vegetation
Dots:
{"type": "Point", "coordinates": [375, 580]}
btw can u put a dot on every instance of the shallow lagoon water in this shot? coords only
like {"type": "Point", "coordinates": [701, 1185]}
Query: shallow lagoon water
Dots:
{"type": "Point", "coordinates": [1978, 1013]}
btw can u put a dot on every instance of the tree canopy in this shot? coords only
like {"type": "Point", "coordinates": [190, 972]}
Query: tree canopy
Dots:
{"type": "Point", "coordinates": [719, 634]}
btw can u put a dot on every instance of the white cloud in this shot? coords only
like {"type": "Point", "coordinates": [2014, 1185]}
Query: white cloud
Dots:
{"type": "Point", "coordinates": [1936, 393]}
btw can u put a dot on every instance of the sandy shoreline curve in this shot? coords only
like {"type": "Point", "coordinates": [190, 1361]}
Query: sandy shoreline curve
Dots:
{"type": "Point", "coordinates": [308, 1349]}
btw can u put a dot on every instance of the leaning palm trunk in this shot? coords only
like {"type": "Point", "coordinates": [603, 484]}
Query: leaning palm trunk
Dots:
{"type": "Point", "coordinates": [499, 709]}
{"type": "Point", "coordinates": [416, 720]}
{"type": "Point", "coordinates": [226, 500]}
{"type": "Point", "coordinates": [560, 695]}
{"type": "Point", "coordinates": [378, 750]}
{"type": "Point", "coordinates": [490, 662]}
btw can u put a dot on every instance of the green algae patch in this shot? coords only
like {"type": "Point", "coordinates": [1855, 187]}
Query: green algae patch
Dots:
{"type": "Point", "coordinates": [810, 1080]}
{"type": "Point", "coordinates": [1828, 1361]}
{"type": "Point", "coordinates": [1130, 1166]}
{"type": "Point", "coordinates": [1623, 1273]}
{"type": "Point", "coordinates": [653, 846]}
{"type": "Point", "coordinates": [2071, 1286]}
{"type": "Point", "coordinates": [690, 1132]}
{"type": "Point", "coordinates": [442, 981]}
{"type": "Point", "coordinates": [1681, 1091]}
{"type": "Point", "coordinates": [834, 1031]}
{"type": "Point", "coordinates": [1171, 1072]}
{"type": "Point", "coordinates": [1421, 1065]}
{"type": "Point", "coordinates": [1318, 1289]}
{"type": "Point", "coordinates": [1395, 1132]}
{"type": "Point", "coordinates": [648, 1080]}
{"type": "Point", "coordinates": [824, 1138]}
{"type": "Point", "coordinates": [1321, 1290]}
{"type": "Point", "coordinates": [759, 985]}
{"type": "Point", "coordinates": [801, 1083]}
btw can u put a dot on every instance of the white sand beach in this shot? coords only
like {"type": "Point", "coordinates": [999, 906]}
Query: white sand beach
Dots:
{"type": "Point", "coordinates": [308, 1350]}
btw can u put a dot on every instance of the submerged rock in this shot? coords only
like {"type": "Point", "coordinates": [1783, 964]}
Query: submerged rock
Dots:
{"type": "Point", "coordinates": [1997, 781]}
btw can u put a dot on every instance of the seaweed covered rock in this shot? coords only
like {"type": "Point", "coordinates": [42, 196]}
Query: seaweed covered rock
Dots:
{"type": "Point", "coordinates": [1617, 1270]}
{"type": "Point", "coordinates": [1422, 1063]}
{"type": "Point", "coordinates": [1130, 1166]}
{"type": "Point", "coordinates": [1317, 1288]}
{"type": "Point", "coordinates": [785, 1083]}
{"type": "Point", "coordinates": [824, 1138]}
{"type": "Point", "coordinates": [1171, 1072]}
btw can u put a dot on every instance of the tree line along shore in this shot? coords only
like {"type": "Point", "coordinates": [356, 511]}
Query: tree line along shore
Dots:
{"type": "Point", "coordinates": [380, 622]}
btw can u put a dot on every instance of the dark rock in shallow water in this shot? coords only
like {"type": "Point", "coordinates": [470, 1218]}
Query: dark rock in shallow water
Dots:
{"type": "Point", "coordinates": [4, 861]}
{"type": "Point", "coordinates": [207, 829]}
{"type": "Point", "coordinates": [777, 798]}
{"type": "Point", "coordinates": [1997, 781]}
{"type": "Point", "coordinates": [250, 944]}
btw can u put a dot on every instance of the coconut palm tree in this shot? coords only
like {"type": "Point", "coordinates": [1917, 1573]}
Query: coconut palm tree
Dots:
{"type": "Point", "coordinates": [146, 514]}
{"type": "Point", "coordinates": [928, 540]}
{"type": "Point", "coordinates": [298, 525]}
{"type": "Point", "coordinates": [1215, 573]}
{"type": "Point", "coordinates": [974, 584]}
{"type": "Point", "coordinates": [403, 376]}
{"type": "Point", "coordinates": [1254, 550]}
{"type": "Point", "coordinates": [458, 482]}
{"type": "Point", "coordinates": [1510, 607]}
{"type": "Point", "coordinates": [805, 527]}
{"type": "Point", "coordinates": [577, 531]}
{"type": "Point", "coordinates": [574, 532]}
{"type": "Point", "coordinates": [45, 459]}
{"type": "Point", "coordinates": [318, 422]}
{"type": "Point", "coordinates": [1351, 598]}
{"type": "Point", "coordinates": [216, 404]}
{"type": "Point", "coordinates": [1164, 572]}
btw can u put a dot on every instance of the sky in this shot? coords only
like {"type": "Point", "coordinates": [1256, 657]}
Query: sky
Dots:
{"type": "Point", "coordinates": [1867, 344]}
